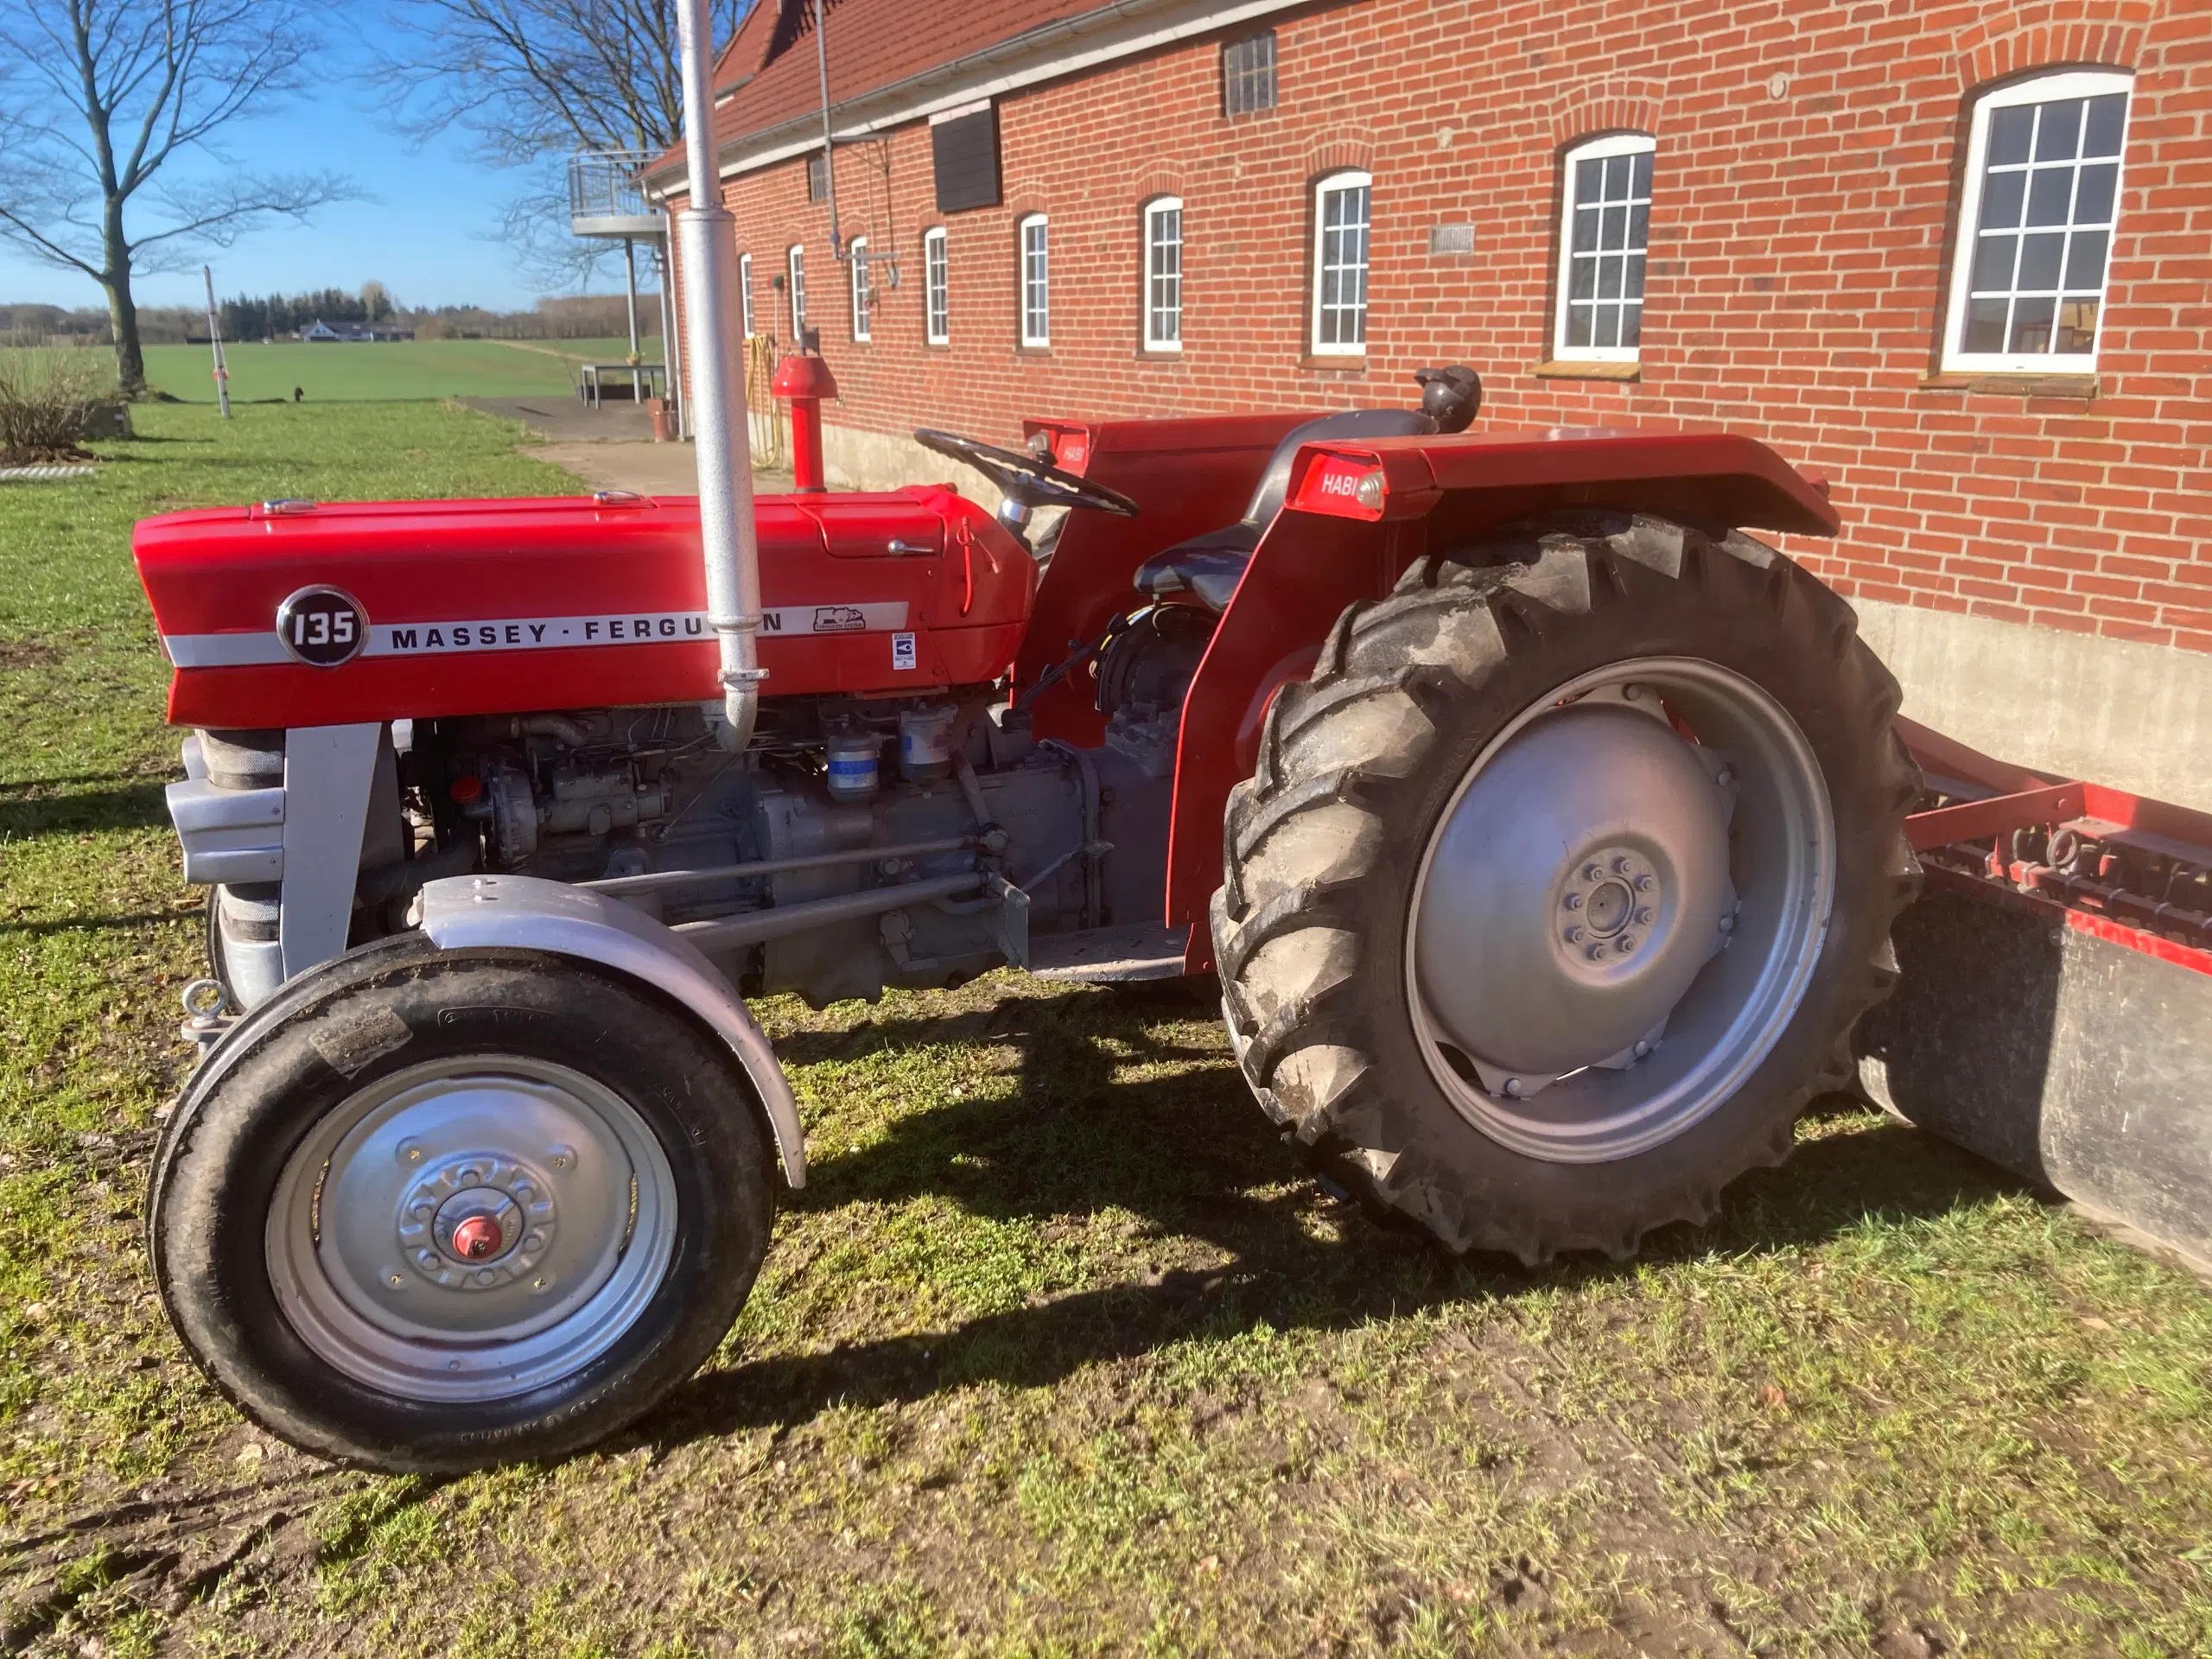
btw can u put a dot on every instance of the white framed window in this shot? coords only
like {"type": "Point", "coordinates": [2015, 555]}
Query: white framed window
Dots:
{"type": "Point", "coordinates": [2036, 225]}
{"type": "Point", "coordinates": [863, 320]}
{"type": "Point", "coordinates": [1036, 282]}
{"type": "Point", "coordinates": [1605, 229]}
{"type": "Point", "coordinates": [745, 289]}
{"type": "Point", "coordinates": [1163, 274]}
{"type": "Point", "coordinates": [1340, 224]}
{"type": "Point", "coordinates": [796, 262]}
{"type": "Point", "coordinates": [936, 287]}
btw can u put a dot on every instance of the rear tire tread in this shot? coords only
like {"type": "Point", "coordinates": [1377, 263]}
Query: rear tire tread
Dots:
{"type": "Point", "coordinates": [1450, 629]}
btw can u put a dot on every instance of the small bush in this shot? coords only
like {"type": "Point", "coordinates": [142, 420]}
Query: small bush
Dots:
{"type": "Point", "coordinates": [46, 399]}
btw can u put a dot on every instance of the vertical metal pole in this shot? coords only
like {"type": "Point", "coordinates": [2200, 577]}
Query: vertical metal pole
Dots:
{"type": "Point", "coordinates": [630, 278]}
{"type": "Point", "coordinates": [670, 379]}
{"type": "Point", "coordinates": [215, 340]}
{"type": "Point", "coordinates": [672, 339]}
{"type": "Point", "coordinates": [728, 541]}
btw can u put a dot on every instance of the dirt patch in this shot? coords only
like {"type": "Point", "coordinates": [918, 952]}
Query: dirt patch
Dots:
{"type": "Point", "coordinates": [27, 654]}
{"type": "Point", "coordinates": [49, 454]}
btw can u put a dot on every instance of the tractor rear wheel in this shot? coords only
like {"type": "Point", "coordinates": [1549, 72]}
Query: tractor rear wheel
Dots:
{"type": "Point", "coordinates": [1563, 878]}
{"type": "Point", "coordinates": [427, 1210]}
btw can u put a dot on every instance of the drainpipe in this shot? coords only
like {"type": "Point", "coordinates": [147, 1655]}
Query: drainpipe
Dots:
{"type": "Point", "coordinates": [671, 327]}
{"type": "Point", "coordinates": [728, 538]}
{"type": "Point", "coordinates": [829, 153]}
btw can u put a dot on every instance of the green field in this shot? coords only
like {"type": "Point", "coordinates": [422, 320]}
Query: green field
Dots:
{"type": "Point", "coordinates": [396, 370]}
{"type": "Point", "coordinates": [1059, 1352]}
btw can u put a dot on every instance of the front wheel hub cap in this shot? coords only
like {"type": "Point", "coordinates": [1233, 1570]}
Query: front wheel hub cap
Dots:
{"type": "Point", "coordinates": [1587, 867]}
{"type": "Point", "coordinates": [472, 1228]}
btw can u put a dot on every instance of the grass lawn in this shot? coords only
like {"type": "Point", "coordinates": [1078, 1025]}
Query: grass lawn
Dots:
{"type": "Point", "coordinates": [403, 369]}
{"type": "Point", "coordinates": [612, 349]}
{"type": "Point", "coordinates": [1057, 1352]}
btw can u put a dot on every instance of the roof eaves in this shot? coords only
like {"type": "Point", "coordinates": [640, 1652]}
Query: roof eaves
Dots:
{"type": "Point", "coordinates": [1044, 53]}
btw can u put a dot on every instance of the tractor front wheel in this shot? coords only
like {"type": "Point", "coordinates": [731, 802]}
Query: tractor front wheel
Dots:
{"type": "Point", "coordinates": [426, 1210]}
{"type": "Point", "coordinates": [1563, 881]}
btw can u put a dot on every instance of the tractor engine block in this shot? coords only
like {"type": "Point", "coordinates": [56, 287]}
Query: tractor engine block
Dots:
{"type": "Point", "coordinates": [850, 787]}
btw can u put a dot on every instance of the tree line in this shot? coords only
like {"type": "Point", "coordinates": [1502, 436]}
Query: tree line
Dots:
{"type": "Point", "coordinates": [278, 316]}
{"type": "Point", "coordinates": [87, 325]}
{"type": "Point", "coordinates": [584, 317]}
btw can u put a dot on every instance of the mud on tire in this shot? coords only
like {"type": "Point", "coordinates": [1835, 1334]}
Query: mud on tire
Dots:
{"type": "Point", "coordinates": [1358, 765]}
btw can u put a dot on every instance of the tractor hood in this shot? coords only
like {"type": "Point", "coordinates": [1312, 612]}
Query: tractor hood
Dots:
{"type": "Point", "coordinates": [299, 614]}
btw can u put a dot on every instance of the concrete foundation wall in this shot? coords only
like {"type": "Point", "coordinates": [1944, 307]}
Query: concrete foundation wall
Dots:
{"type": "Point", "coordinates": [2138, 717]}
{"type": "Point", "coordinates": [881, 461]}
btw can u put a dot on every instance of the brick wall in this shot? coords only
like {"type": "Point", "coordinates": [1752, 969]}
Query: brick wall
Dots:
{"type": "Point", "coordinates": [1805, 184]}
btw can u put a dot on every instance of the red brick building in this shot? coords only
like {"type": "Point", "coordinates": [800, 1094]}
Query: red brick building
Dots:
{"type": "Point", "coordinates": [1957, 256]}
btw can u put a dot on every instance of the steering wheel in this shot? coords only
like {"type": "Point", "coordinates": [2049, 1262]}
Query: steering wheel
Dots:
{"type": "Point", "coordinates": [1025, 479]}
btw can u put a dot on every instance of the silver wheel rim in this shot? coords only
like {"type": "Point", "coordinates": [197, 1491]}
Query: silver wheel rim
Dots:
{"type": "Point", "coordinates": [471, 1229]}
{"type": "Point", "coordinates": [1614, 924]}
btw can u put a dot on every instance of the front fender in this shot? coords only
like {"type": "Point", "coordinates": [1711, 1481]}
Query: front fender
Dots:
{"type": "Point", "coordinates": [527, 912]}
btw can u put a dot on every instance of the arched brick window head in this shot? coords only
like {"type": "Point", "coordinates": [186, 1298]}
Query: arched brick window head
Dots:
{"type": "Point", "coordinates": [2036, 223]}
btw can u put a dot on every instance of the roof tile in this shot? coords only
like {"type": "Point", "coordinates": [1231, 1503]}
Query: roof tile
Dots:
{"type": "Point", "coordinates": [873, 43]}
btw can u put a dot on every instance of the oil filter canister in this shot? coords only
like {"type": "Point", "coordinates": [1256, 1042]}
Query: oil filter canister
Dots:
{"type": "Point", "coordinates": [925, 743]}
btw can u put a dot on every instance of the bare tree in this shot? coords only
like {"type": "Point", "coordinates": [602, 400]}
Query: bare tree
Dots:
{"type": "Point", "coordinates": [98, 97]}
{"type": "Point", "coordinates": [529, 80]}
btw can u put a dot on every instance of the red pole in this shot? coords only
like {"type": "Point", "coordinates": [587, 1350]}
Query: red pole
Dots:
{"type": "Point", "coordinates": [805, 380]}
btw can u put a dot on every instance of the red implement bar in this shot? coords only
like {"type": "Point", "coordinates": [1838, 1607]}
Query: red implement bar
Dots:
{"type": "Point", "coordinates": [2028, 801]}
{"type": "Point", "coordinates": [1999, 814]}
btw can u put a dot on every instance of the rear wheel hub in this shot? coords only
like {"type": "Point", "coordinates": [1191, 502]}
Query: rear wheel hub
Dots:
{"type": "Point", "coordinates": [1565, 945]}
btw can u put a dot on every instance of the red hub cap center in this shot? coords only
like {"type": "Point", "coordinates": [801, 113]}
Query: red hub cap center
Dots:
{"type": "Point", "coordinates": [476, 1237]}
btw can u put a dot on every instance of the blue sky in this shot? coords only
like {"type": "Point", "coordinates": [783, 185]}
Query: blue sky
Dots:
{"type": "Point", "coordinates": [424, 236]}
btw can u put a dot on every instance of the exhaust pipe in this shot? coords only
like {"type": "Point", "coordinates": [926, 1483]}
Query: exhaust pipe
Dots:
{"type": "Point", "coordinates": [728, 539]}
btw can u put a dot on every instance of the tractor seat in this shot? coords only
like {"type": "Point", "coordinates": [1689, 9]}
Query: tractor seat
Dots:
{"type": "Point", "coordinates": [1211, 565]}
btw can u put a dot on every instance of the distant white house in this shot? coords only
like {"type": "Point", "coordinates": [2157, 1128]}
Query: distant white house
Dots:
{"type": "Point", "coordinates": [320, 331]}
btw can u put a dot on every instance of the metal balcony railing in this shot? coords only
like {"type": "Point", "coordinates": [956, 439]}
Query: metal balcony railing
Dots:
{"type": "Point", "coordinates": [605, 198]}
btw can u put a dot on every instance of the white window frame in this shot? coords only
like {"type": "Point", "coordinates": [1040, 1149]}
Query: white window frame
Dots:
{"type": "Point", "coordinates": [795, 282]}
{"type": "Point", "coordinates": [745, 289]}
{"type": "Point", "coordinates": [1595, 150]}
{"type": "Point", "coordinates": [2035, 89]}
{"type": "Point", "coordinates": [1035, 279]}
{"type": "Point", "coordinates": [1351, 179]}
{"type": "Point", "coordinates": [863, 318]}
{"type": "Point", "coordinates": [1155, 246]}
{"type": "Point", "coordinates": [936, 287]}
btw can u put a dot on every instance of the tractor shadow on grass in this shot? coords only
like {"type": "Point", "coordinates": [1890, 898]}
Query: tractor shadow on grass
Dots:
{"type": "Point", "coordinates": [126, 804]}
{"type": "Point", "coordinates": [1191, 1156]}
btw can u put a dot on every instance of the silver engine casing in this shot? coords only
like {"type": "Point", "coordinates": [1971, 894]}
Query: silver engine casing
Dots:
{"type": "Point", "coordinates": [582, 795]}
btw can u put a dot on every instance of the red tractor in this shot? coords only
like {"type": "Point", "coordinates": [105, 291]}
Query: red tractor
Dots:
{"type": "Point", "coordinates": [1544, 828]}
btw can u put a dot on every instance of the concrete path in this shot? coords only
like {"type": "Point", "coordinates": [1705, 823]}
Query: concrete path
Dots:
{"type": "Point", "coordinates": [608, 449]}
